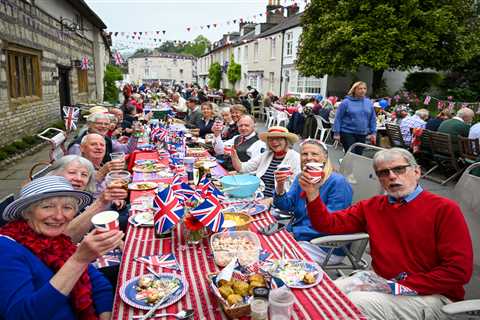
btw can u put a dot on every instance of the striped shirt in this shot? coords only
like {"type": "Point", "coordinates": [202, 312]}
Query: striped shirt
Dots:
{"type": "Point", "coordinates": [269, 179]}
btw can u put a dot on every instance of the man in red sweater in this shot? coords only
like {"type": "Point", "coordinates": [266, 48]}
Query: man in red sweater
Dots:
{"type": "Point", "coordinates": [418, 239]}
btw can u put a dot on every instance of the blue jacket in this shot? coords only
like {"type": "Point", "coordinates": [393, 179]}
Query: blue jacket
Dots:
{"type": "Point", "coordinates": [355, 116]}
{"type": "Point", "coordinates": [26, 293]}
{"type": "Point", "coordinates": [336, 193]}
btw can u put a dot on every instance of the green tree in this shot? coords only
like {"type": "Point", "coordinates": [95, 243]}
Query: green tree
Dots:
{"type": "Point", "coordinates": [112, 74]}
{"type": "Point", "coordinates": [340, 36]}
{"type": "Point", "coordinates": [215, 75]}
{"type": "Point", "coordinates": [197, 47]}
{"type": "Point", "coordinates": [234, 72]}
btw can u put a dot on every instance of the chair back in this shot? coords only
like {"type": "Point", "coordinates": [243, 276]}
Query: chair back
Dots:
{"type": "Point", "coordinates": [441, 144]}
{"type": "Point", "coordinates": [56, 138]}
{"type": "Point", "coordinates": [466, 194]}
{"type": "Point", "coordinates": [425, 146]}
{"type": "Point", "coordinates": [319, 122]}
{"type": "Point", "coordinates": [3, 205]}
{"type": "Point", "coordinates": [469, 148]}
{"type": "Point", "coordinates": [395, 135]}
{"type": "Point", "coordinates": [357, 167]}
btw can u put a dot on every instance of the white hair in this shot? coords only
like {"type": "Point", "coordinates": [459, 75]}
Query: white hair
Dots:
{"type": "Point", "coordinates": [58, 167]}
{"type": "Point", "coordinates": [392, 154]}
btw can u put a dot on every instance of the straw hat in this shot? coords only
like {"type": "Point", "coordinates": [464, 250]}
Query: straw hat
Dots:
{"type": "Point", "coordinates": [97, 109]}
{"type": "Point", "coordinates": [278, 132]}
{"type": "Point", "coordinates": [44, 188]}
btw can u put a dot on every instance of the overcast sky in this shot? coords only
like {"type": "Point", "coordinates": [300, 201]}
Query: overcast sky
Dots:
{"type": "Point", "coordinates": [175, 16]}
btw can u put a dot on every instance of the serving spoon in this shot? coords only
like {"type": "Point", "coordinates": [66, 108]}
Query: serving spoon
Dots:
{"type": "Point", "coordinates": [183, 314]}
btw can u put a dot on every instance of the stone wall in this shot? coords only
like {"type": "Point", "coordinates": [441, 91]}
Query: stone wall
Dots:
{"type": "Point", "coordinates": [28, 26]}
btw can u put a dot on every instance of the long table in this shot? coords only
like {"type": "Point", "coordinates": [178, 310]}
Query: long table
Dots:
{"type": "Point", "coordinates": [324, 301]}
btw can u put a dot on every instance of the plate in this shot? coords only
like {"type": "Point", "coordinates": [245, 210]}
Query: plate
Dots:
{"type": "Point", "coordinates": [149, 167]}
{"type": "Point", "coordinates": [248, 208]}
{"type": "Point", "coordinates": [141, 186]}
{"type": "Point", "coordinates": [292, 272]}
{"type": "Point", "coordinates": [142, 162]}
{"type": "Point", "coordinates": [144, 219]}
{"type": "Point", "coordinates": [128, 291]}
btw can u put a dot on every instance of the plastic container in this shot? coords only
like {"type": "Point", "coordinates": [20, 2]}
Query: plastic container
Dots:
{"type": "Point", "coordinates": [243, 245]}
{"type": "Point", "coordinates": [280, 303]}
{"type": "Point", "coordinates": [240, 186]}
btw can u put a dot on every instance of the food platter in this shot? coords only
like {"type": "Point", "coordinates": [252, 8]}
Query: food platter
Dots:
{"type": "Point", "coordinates": [142, 219]}
{"type": "Point", "coordinates": [142, 186]}
{"type": "Point", "coordinates": [298, 274]}
{"type": "Point", "coordinates": [143, 292]}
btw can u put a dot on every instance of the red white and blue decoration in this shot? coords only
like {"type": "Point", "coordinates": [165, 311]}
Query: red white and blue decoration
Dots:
{"type": "Point", "coordinates": [163, 261]}
{"type": "Point", "coordinates": [111, 258]}
{"type": "Point", "coordinates": [71, 117]}
{"type": "Point", "coordinates": [84, 65]}
{"type": "Point", "coordinates": [118, 58]}
{"type": "Point", "coordinates": [168, 210]}
{"type": "Point", "coordinates": [400, 290]}
{"type": "Point", "coordinates": [209, 213]}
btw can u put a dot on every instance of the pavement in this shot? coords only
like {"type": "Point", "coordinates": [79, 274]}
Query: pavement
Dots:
{"type": "Point", "coordinates": [14, 176]}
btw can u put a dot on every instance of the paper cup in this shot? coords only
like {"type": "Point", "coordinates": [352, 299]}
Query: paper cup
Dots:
{"type": "Point", "coordinates": [227, 149]}
{"type": "Point", "coordinates": [106, 221]}
{"type": "Point", "coordinates": [315, 170]}
{"type": "Point", "coordinates": [285, 170]}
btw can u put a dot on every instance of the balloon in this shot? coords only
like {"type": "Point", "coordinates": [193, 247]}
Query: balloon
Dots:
{"type": "Point", "coordinates": [383, 103]}
{"type": "Point", "coordinates": [319, 98]}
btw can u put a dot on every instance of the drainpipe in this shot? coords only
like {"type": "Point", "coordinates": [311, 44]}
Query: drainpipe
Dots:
{"type": "Point", "coordinates": [281, 64]}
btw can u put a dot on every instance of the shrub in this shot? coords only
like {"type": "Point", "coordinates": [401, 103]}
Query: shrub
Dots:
{"type": "Point", "coordinates": [421, 82]}
{"type": "Point", "coordinates": [20, 145]}
{"type": "Point", "coordinates": [3, 155]}
{"type": "Point", "coordinates": [215, 75]}
{"type": "Point", "coordinates": [10, 149]}
{"type": "Point", "coordinates": [30, 140]}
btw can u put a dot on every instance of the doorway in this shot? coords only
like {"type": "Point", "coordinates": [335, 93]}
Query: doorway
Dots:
{"type": "Point", "coordinates": [64, 87]}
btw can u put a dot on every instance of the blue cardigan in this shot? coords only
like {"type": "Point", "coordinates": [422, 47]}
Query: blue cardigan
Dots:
{"type": "Point", "coordinates": [355, 116]}
{"type": "Point", "coordinates": [26, 293]}
{"type": "Point", "coordinates": [336, 193]}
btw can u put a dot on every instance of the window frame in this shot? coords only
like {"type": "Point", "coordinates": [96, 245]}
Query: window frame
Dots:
{"type": "Point", "coordinates": [273, 47]}
{"type": "Point", "coordinates": [289, 44]}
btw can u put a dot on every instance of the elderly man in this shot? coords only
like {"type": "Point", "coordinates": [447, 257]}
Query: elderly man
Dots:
{"type": "Point", "coordinates": [418, 120]}
{"type": "Point", "coordinates": [179, 103]}
{"type": "Point", "coordinates": [194, 113]}
{"type": "Point", "coordinates": [458, 125]}
{"type": "Point", "coordinates": [247, 144]}
{"type": "Point", "coordinates": [418, 240]}
{"type": "Point", "coordinates": [99, 123]}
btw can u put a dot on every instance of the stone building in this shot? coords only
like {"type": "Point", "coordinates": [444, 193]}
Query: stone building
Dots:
{"type": "Point", "coordinates": [161, 66]}
{"type": "Point", "coordinates": [42, 46]}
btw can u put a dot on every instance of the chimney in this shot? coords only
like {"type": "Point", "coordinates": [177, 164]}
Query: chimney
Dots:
{"type": "Point", "coordinates": [274, 12]}
{"type": "Point", "coordinates": [292, 10]}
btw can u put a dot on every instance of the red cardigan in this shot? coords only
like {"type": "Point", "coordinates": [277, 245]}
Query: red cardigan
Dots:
{"type": "Point", "coordinates": [427, 238]}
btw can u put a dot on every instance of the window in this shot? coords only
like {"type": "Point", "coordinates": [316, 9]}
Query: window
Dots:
{"type": "Point", "coordinates": [304, 85]}
{"type": "Point", "coordinates": [271, 79]}
{"type": "Point", "coordinates": [79, 22]}
{"type": "Point", "coordinates": [24, 73]}
{"type": "Point", "coordinates": [82, 76]}
{"type": "Point", "coordinates": [147, 72]}
{"type": "Point", "coordinates": [273, 47]}
{"type": "Point", "coordinates": [255, 51]}
{"type": "Point", "coordinates": [289, 43]}
{"type": "Point", "coordinates": [245, 53]}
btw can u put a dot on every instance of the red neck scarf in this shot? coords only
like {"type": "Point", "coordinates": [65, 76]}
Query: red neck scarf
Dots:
{"type": "Point", "coordinates": [280, 154]}
{"type": "Point", "coordinates": [54, 252]}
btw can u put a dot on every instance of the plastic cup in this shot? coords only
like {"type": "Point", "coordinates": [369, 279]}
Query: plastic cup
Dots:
{"type": "Point", "coordinates": [118, 178]}
{"type": "Point", "coordinates": [259, 309]}
{"type": "Point", "coordinates": [281, 301]}
{"type": "Point", "coordinates": [284, 169]}
{"type": "Point", "coordinates": [105, 221]}
{"type": "Point", "coordinates": [315, 170]}
{"type": "Point", "coordinates": [227, 149]}
{"type": "Point", "coordinates": [118, 156]}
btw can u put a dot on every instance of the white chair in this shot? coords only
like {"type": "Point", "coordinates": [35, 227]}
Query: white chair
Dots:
{"type": "Point", "coordinates": [270, 112]}
{"type": "Point", "coordinates": [281, 118]}
{"type": "Point", "coordinates": [358, 169]}
{"type": "Point", "coordinates": [321, 129]}
{"type": "Point", "coordinates": [56, 138]}
{"type": "Point", "coordinates": [466, 194]}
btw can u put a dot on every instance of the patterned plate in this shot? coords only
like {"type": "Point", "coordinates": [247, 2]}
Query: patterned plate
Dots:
{"type": "Point", "coordinates": [291, 271]}
{"type": "Point", "coordinates": [128, 291]}
{"type": "Point", "coordinates": [248, 208]}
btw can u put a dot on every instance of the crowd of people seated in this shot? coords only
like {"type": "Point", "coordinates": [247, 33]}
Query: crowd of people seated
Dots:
{"type": "Point", "coordinates": [418, 240]}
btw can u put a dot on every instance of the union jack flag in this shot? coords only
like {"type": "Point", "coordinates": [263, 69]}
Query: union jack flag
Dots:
{"type": "Point", "coordinates": [400, 290]}
{"type": "Point", "coordinates": [168, 210]}
{"type": "Point", "coordinates": [111, 258]}
{"type": "Point", "coordinates": [84, 65]}
{"type": "Point", "coordinates": [71, 117]}
{"type": "Point", "coordinates": [159, 134]}
{"type": "Point", "coordinates": [205, 187]}
{"type": "Point", "coordinates": [209, 213]}
{"type": "Point", "coordinates": [164, 261]}
{"type": "Point", "coordinates": [118, 58]}
{"type": "Point", "coordinates": [427, 100]}
{"type": "Point", "coordinates": [183, 190]}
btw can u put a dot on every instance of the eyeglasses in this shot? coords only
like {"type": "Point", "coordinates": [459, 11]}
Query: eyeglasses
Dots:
{"type": "Point", "coordinates": [396, 170]}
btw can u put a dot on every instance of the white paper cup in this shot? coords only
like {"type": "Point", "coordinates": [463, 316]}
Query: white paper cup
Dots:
{"type": "Point", "coordinates": [227, 149]}
{"type": "Point", "coordinates": [106, 221]}
{"type": "Point", "coordinates": [315, 170]}
{"type": "Point", "coordinates": [284, 169]}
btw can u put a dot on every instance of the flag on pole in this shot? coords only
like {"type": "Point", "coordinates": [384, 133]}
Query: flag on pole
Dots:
{"type": "Point", "coordinates": [84, 65]}
{"type": "Point", "coordinates": [168, 210]}
{"type": "Point", "coordinates": [163, 261]}
{"type": "Point", "coordinates": [111, 258]}
{"type": "Point", "coordinates": [209, 213]}
{"type": "Point", "coordinates": [118, 58]}
{"type": "Point", "coordinates": [70, 117]}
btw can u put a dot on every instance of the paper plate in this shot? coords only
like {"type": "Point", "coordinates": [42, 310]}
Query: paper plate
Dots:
{"type": "Point", "coordinates": [128, 291]}
{"type": "Point", "coordinates": [144, 219]}
{"type": "Point", "coordinates": [250, 209]}
{"type": "Point", "coordinates": [142, 186]}
{"type": "Point", "coordinates": [289, 273]}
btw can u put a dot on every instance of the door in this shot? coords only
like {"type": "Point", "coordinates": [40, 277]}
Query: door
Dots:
{"type": "Point", "coordinates": [64, 87]}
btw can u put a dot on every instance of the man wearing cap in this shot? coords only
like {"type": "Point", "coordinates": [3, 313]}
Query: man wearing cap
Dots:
{"type": "Point", "coordinates": [247, 144]}
{"type": "Point", "coordinates": [194, 114]}
{"type": "Point", "coordinates": [99, 123]}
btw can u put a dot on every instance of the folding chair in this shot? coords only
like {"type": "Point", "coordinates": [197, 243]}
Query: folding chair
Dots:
{"type": "Point", "coordinates": [444, 156]}
{"type": "Point", "coordinates": [270, 117]}
{"type": "Point", "coordinates": [321, 129]}
{"type": "Point", "coordinates": [3, 205]}
{"type": "Point", "coordinates": [466, 194]}
{"type": "Point", "coordinates": [56, 138]}
{"type": "Point", "coordinates": [358, 168]}
{"type": "Point", "coordinates": [395, 135]}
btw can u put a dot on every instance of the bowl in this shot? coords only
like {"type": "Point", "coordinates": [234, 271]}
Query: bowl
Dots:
{"type": "Point", "coordinates": [240, 186]}
{"type": "Point", "coordinates": [238, 221]}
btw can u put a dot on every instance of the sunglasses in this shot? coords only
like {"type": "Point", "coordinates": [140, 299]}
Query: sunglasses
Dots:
{"type": "Point", "coordinates": [396, 170]}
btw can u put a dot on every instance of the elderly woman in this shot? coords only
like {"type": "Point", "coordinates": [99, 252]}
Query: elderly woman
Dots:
{"type": "Point", "coordinates": [206, 122]}
{"type": "Point", "coordinates": [44, 275]}
{"type": "Point", "coordinates": [335, 192]}
{"type": "Point", "coordinates": [355, 119]}
{"type": "Point", "coordinates": [100, 123]}
{"type": "Point", "coordinates": [278, 141]}
{"type": "Point", "coordinates": [81, 175]}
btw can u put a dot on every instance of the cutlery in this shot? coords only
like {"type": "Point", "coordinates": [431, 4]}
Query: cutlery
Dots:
{"type": "Point", "coordinates": [151, 312]}
{"type": "Point", "coordinates": [184, 314]}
